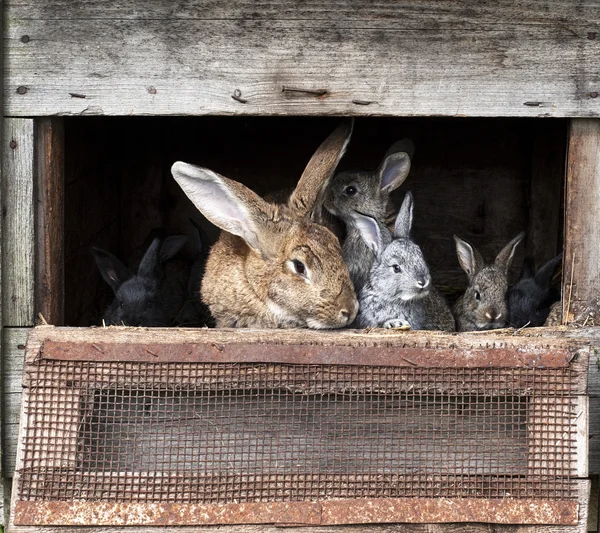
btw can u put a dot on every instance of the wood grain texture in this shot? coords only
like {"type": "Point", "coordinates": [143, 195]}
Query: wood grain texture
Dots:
{"type": "Point", "coordinates": [18, 223]}
{"type": "Point", "coordinates": [504, 58]}
{"type": "Point", "coordinates": [49, 219]}
{"type": "Point", "coordinates": [581, 272]}
{"type": "Point", "coordinates": [14, 355]}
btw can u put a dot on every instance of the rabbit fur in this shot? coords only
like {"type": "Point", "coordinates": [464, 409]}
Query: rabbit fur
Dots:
{"type": "Point", "coordinates": [145, 298]}
{"type": "Point", "coordinates": [274, 265]}
{"type": "Point", "coordinates": [368, 193]}
{"type": "Point", "coordinates": [483, 305]}
{"type": "Point", "coordinates": [530, 299]}
{"type": "Point", "coordinates": [399, 291]}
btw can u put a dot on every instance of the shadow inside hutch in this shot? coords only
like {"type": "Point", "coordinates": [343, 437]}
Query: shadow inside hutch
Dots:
{"type": "Point", "coordinates": [484, 180]}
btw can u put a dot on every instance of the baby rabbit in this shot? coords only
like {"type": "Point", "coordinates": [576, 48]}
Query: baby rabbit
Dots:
{"type": "Point", "coordinates": [483, 305]}
{"type": "Point", "coordinates": [274, 265]}
{"type": "Point", "coordinates": [366, 192]}
{"type": "Point", "coordinates": [530, 299]}
{"type": "Point", "coordinates": [140, 299]}
{"type": "Point", "coordinates": [399, 291]}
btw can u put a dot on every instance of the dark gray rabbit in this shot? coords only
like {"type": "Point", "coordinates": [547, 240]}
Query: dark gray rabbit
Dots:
{"type": "Point", "coordinates": [145, 298]}
{"type": "Point", "coordinates": [483, 304]}
{"type": "Point", "coordinates": [368, 193]}
{"type": "Point", "coordinates": [196, 312]}
{"type": "Point", "coordinates": [399, 291]}
{"type": "Point", "coordinates": [530, 299]}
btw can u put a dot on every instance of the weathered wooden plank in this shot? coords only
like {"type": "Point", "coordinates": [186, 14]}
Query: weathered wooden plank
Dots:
{"type": "Point", "coordinates": [357, 58]}
{"type": "Point", "coordinates": [50, 231]}
{"type": "Point", "coordinates": [14, 354]}
{"type": "Point", "coordinates": [581, 276]}
{"type": "Point", "coordinates": [18, 227]}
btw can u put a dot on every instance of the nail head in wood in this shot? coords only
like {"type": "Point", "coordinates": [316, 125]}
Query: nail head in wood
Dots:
{"type": "Point", "coordinates": [25, 39]}
{"type": "Point", "coordinates": [21, 89]}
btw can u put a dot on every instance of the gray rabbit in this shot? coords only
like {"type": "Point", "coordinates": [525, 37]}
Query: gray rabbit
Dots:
{"type": "Point", "coordinates": [399, 290]}
{"type": "Point", "coordinates": [368, 193]}
{"type": "Point", "coordinates": [145, 298]}
{"type": "Point", "coordinates": [483, 304]}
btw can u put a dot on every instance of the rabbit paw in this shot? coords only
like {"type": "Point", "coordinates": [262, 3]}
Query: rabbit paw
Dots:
{"type": "Point", "coordinates": [396, 323]}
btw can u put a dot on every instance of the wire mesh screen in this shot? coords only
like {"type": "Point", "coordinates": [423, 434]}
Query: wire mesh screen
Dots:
{"type": "Point", "coordinates": [213, 433]}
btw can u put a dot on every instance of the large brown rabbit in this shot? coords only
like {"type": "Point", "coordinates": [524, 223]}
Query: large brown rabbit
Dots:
{"type": "Point", "coordinates": [274, 265]}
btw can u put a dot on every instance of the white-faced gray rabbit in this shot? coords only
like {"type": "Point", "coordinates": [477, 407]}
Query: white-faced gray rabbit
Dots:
{"type": "Point", "coordinates": [368, 193]}
{"type": "Point", "coordinates": [142, 299]}
{"type": "Point", "coordinates": [483, 304]}
{"type": "Point", "coordinates": [399, 290]}
{"type": "Point", "coordinates": [530, 299]}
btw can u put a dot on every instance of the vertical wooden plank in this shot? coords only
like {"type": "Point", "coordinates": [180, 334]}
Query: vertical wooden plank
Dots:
{"type": "Point", "coordinates": [581, 272]}
{"type": "Point", "coordinates": [3, 507]}
{"type": "Point", "coordinates": [49, 219]}
{"type": "Point", "coordinates": [18, 227]}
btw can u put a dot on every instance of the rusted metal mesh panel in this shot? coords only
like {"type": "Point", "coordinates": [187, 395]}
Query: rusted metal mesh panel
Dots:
{"type": "Point", "coordinates": [234, 433]}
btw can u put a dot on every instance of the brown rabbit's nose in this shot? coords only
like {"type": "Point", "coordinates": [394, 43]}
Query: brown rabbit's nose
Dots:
{"type": "Point", "coordinates": [348, 315]}
{"type": "Point", "coordinates": [492, 315]}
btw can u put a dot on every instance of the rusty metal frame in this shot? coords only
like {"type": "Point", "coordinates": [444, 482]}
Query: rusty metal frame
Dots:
{"type": "Point", "coordinates": [240, 352]}
{"type": "Point", "coordinates": [327, 512]}
{"type": "Point", "coordinates": [539, 353]}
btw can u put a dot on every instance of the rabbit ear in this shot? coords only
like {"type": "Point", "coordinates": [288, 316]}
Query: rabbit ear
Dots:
{"type": "Point", "coordinates": [227, 204]}
{"type": "Point", "coordinates": [403, 145]}
{"type": "Point", "coordinates": [545, 274]}
{"type": "Point", "coordinates": [112, 270]}
{"type": "Point", "coordinates": [393, 171]}
{"type": "Point", "coordinates": [404, 218]}
{"type": "Point", "coordinates": [308, 194]}
{"type": "Point", "coordinates": [505, 257]}
{"type": "Point", "coordinates": [150, 264]}
{"type": "Point", "coordinates": [369, 231]}
{"type": "Point", "coordinates": [171, 246]}
{"type": "Point", "coordinates": [469, 258]}
{"type": "Point", "coordinates": [527, 270]}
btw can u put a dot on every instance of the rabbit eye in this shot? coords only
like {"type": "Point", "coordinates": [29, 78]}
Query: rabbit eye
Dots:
{"type": "Point", "coordinates": [121, 304]}
{"type": "Point", "coordinates": [477, 295]}
{"type": "Point", "coordinates": [299, 267]}
{"type": "Point", "coordinates": [350, 190]}
{"type": "Point", "coordinates": [397, 269]}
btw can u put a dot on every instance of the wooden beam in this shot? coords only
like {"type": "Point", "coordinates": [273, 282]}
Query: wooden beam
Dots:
{"type": "Point", "coordinates": [581, 263]}
{"type": "Point", "coordinates": [49, 193]}
{"type": "Point", "coordinates": [18, 223]}
{"type": "Point", "coordinates": [309, 58]}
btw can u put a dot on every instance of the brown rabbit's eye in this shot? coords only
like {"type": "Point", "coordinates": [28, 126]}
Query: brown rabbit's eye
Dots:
{"type": "Point", "coordinates": [397, 269]}
{"type": "Point", "coordinates": [477, 295]}
{"type": "Point", "coordinates": [299, 267]}
{"type": "Point", "coordinates": [350, 190]}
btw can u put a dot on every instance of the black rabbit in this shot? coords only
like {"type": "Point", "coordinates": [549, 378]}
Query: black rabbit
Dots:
{"type": "Point", "coordinates": [529, 300]}
{"type": "Point", "coordinates": [145, 298]}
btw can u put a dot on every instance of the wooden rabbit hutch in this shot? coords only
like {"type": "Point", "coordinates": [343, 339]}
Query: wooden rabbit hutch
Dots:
{"type": "Point", "coordinates": [246, 430]}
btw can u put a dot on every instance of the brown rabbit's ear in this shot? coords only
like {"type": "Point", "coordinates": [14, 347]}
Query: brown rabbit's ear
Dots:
{"type": "Point", "coordinates": [307, 196]}
{"type": "Point", "coordinates": [469, 258]}
{"type": "Point", "coordinates": [227, 204]}
{"type": "Point", "coordinates": [505, 257]}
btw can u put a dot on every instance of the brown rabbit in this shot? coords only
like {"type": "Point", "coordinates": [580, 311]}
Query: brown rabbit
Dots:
{"type": "Point", "coordinates": [274, 265]}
